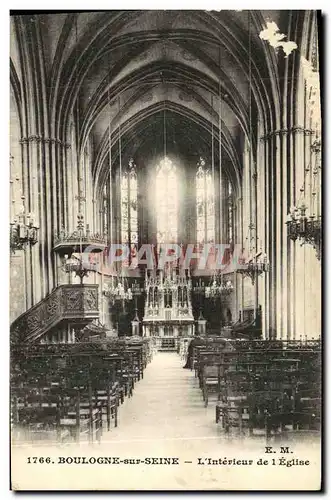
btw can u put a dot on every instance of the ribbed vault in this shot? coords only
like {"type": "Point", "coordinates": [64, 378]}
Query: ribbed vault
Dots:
{"type": "Point", "coordinates": [83, 82]}
{"type": "Point", "coordinates": [186, 135]}
{"type": "Point", "coordinates": [106, 70]}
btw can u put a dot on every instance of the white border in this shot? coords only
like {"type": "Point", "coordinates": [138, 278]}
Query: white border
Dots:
{"type": "Point", "coordinates": [4, 184]}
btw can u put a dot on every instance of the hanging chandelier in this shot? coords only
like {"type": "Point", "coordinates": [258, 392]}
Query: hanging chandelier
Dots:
{"type": "Point", "coordinates": [254, 266]}
{"type": "Point", "coordinates": [257, 263]}
{"type": "Point", "coordinates": [74, 264]}
{"type": "Point", "coordinates": [218, 288]}
{"type": "Point", "coordinates": [304, 222]}
{"type": "Point", "coordinates": [23, 229]}
{"type": "Point", "coordinates": [118, 290]}
{"type": "Point", "coordinates": [67, 241]}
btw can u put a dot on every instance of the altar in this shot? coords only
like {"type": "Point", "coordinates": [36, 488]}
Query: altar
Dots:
{"type": "Point", "coordinates": [168, 308]}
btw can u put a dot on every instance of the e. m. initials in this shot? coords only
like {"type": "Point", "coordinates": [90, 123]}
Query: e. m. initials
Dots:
{"type": "Point", "coordinates": [282, 449]}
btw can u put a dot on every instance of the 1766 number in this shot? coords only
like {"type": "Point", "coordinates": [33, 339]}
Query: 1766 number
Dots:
{"type": "Point", "coordinates": [39, 460]}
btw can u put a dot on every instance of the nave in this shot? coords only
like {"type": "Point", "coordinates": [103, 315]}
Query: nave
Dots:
{"type": "Point", "coordinates": [77, 392]}
{"type": "Point", "coordinates": [165, 191]}
{"type": "Point", "coordinates": [166, 418]}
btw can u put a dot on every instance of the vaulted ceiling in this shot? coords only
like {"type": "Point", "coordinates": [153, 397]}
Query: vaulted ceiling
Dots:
{"type": "Point", "coordinates": [130, 68]}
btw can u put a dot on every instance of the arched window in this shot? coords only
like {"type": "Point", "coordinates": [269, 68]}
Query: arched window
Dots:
{"type": "Point", "coordinates": [129, 205]}
{"type": "Point", "coordinates": [205, 204]}
{"type": "Point", "coordinates": [166, 202]}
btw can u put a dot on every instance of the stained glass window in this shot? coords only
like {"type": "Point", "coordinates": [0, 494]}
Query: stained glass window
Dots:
{"type": "Point", "coordinates": [205, 204]}
{"type": "Point", "coordinates": [166, 202]}
{"type": "Point", "coordinates": [129, 206]}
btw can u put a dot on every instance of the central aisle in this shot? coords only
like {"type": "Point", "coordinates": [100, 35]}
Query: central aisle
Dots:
{"type": "Point", "coordinates": [166, 404]}
{"type": "Point", "coordinates": [166, 417]}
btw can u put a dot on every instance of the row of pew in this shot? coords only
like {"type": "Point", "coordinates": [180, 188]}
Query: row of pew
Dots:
{"type": "Point", "coordinates": [261, 387]}
{"type": "Point", "coordinates": [72, 392]}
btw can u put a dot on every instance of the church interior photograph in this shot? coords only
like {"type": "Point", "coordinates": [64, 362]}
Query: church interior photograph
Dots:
{"type": "Point", "coordinates": [165, 226]}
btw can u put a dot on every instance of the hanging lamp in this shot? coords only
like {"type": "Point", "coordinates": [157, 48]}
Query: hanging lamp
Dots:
{"type": "Point", "coordinates": [257, 261]}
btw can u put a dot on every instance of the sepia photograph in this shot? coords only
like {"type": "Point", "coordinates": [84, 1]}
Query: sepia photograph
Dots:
{"type": "Point", "coordinates": [165, 192]}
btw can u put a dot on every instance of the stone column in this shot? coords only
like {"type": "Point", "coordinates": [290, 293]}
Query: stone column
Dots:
{"type": "Point", "coordinates": [260, 225]}
{"type": "Point", "coordinates": [27, 251]}
{"type": "Point", "coordinates": [288, 285]}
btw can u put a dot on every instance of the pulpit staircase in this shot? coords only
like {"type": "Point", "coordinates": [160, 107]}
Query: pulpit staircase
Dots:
{"type": "Point", "coordinates": [66, 304]}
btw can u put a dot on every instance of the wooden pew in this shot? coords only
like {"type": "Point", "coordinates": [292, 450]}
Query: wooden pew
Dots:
{"type": "Point", "coordinates": [81, 415]}
{"type": "Point", "coordinates": [37, 415]}
{"type": "Point", "coordinates": [89, 380]}
{"type": "Point", "coordinates": [283, 390]}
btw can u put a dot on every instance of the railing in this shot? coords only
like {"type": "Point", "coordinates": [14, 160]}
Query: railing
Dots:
{"type": "Point", "coordinates": [65, 303]}
{"type": "Point", "coordinates": [258, 344]}
{"type": "Point", "coordinates": [165, 343]}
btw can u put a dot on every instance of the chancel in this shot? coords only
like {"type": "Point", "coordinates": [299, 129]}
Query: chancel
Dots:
{"type": "Point", "coordinates": [168, 307]}
{"type": "Point", "coordinates": [165, 211]}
